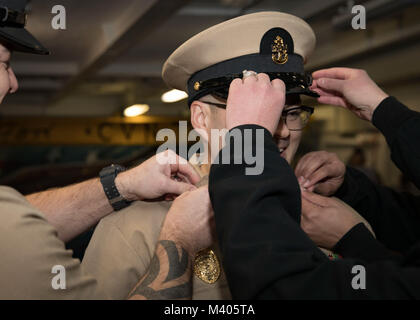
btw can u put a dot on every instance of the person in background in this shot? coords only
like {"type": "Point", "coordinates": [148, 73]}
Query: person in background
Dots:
{"type": "Point", "coordinates": [357, 160]}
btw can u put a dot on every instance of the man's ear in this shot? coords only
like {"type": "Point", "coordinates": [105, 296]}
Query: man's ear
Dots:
{"type": "Point", "coordinates": [200, 115]}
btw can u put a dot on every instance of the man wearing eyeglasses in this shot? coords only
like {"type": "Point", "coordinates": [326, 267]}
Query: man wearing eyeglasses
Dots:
{"type": "Point", "coordinates": [205, 65]}
{"type": "Point", "coordinates": [294, 119]}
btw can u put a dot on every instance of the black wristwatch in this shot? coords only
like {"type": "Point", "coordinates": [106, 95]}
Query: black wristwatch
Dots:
{"type": "Point", "coordinates": [107, 177]}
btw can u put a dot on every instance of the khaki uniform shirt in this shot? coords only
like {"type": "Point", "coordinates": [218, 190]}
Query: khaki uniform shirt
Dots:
{"type": "Point", "coordinates": [123, 245]}
{"type": "Point", "coordinates": [29, 249]}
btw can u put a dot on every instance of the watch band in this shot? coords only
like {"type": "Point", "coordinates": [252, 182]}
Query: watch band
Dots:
{"type": "Point", "coordinates": [107, 177]}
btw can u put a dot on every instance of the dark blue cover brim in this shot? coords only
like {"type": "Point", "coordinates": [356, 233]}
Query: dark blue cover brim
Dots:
{"type": "Point", "coordinates": [19, 39]}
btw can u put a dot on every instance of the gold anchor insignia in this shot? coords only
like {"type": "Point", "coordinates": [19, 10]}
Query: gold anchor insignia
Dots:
{"type": "Point", "coordinates": [206, 266]}
{"type": "Point", "coordinates": [279, 51]}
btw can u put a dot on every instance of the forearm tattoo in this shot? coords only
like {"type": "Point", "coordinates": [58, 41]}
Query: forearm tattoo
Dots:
{"type": "Point", "coordinates": [169, 275]}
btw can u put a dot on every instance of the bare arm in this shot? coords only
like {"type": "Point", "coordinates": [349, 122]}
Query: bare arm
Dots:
{"type": "Point", "coordinates": [73, 209]}
{"type": "Point", "coordinates": [169, 275]}
{"type": "Point", "coordinates": [188, 228]}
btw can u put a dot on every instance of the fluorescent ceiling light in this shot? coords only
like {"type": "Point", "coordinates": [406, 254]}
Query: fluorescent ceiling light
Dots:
{"type": "Point", "coordinates": [174, 96]}
{"type": "Point", "coordinates": [136, 110]}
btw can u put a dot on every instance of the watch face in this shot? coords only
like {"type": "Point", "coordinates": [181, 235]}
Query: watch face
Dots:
{"type": "Point", "coordinates": [112, 169]}
{"type": "Point", "coordinates": [118, 168]}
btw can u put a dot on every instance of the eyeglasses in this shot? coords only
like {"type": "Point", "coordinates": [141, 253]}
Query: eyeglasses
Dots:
{"type": "Point", "coordinates": [295, 118]}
